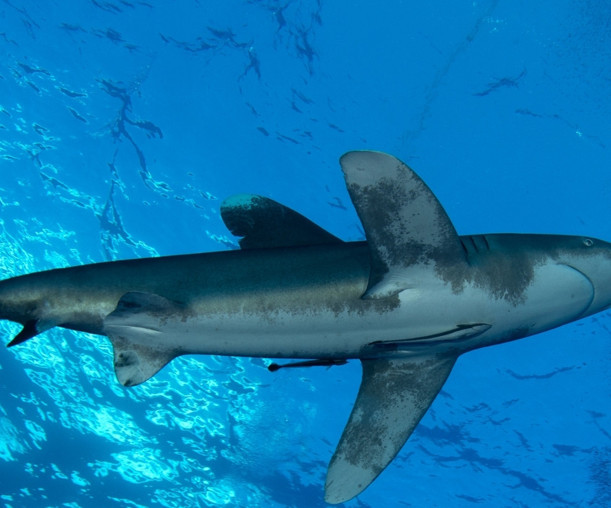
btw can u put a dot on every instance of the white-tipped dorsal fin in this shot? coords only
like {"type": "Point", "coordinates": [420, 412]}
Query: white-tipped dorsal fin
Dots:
{"type": "Point", "coordinates": [404, 222]}
{"type": "Point", "coordinates": [132, 329]}
{"type": "Point", "coordinates": [264, 223]}
{"type": "Point", "coordinates": [394, 395]}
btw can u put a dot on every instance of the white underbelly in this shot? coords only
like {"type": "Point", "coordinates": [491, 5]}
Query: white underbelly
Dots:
{"type": "Point", "coordinates": [432, 315]}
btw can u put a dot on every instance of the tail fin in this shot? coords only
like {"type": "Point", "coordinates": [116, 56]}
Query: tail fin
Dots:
{"type": "Point", "coordinates": [31, 329]}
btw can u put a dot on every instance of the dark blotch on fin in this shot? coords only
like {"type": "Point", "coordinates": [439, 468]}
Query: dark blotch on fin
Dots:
{"type": "Point", "coordinates": [29, 330]}
{"type": "Point", "coordinates": [273, 367]}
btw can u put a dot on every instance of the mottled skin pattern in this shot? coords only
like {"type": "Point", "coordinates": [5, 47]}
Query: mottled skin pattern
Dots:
{"type": "Point", "coordinates": [407, 302]}
{"type": "Point", "coordinates": [391, 403]}
{"type": "Point", "coordinates": [80, 297]}
{"type": "Point", "coordinates": [405, 224]}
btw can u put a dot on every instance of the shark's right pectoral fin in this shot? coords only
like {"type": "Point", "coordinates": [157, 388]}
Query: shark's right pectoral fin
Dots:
{"type": "Point", "coordinates": [393, 397]}
{"type": "Point", "coordinates": [133, 329]}
{"type": "Point", "coordinates": [406, 227]}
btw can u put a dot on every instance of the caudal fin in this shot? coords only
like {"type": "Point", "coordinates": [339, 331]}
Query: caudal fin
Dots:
{"type": "Point", "coordinates": [31, 329]}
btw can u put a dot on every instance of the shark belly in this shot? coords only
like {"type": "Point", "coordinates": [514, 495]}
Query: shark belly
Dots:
{"type": "Point", "coordinates": [303, 318]}
{"type": "Point", "coordinates": [244, 328]}
{"type": "Point", "coordinates": [301, 322]}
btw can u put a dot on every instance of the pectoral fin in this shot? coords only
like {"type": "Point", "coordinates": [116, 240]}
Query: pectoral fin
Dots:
{"type": "Point", "coordinates": [394, 395]}
{"type": "Point", "coordinates": [405, 224]}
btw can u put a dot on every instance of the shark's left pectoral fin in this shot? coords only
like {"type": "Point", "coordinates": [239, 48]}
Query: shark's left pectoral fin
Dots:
{"type": "Point", "coordinates": [393, 397]}
{"type": "Point", "coordinates": [132, 329]}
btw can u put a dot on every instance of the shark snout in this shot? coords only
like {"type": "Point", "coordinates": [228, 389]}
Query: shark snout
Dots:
{"type": "Point", "coordinates": [595, 265]}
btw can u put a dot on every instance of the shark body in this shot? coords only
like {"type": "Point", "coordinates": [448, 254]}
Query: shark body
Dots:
{"type": "Point", "coordinates": [406, 303]}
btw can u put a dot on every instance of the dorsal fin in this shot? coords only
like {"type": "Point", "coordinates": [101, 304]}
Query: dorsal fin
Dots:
{"type": "Point", "coordinates": [264, 223]}
{"type": "Point", "coordinates": [404, 223]}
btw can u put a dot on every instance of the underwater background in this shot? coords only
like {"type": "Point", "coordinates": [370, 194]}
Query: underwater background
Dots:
{"type": "Point", "coordinates": [125, 123]}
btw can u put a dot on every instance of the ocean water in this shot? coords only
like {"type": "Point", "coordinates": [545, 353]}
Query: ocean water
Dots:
{"type": "Point", "coordinates": [123, 125]}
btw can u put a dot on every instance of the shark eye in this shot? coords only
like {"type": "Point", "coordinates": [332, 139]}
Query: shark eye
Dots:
{"type": "Point", "coordinates": [588, 242]}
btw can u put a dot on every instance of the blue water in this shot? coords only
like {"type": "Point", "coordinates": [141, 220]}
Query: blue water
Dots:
{"type": "Point", "coordinates": [124, 123]}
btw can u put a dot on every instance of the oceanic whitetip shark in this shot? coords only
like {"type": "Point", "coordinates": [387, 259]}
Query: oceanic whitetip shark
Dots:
{"type": "Point", "coordinates": [407, 302]}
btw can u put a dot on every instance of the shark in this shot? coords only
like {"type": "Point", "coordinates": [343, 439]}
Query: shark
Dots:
{"type": "Point", "coordinates": [406, 302]}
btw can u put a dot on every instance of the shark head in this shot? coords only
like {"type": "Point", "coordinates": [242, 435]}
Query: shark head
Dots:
{"type": "Point", "coordinates": [592, 259]}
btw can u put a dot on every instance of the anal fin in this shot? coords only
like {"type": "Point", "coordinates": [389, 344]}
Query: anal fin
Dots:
{"type": "Point", "coordinates": [393, 397]}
